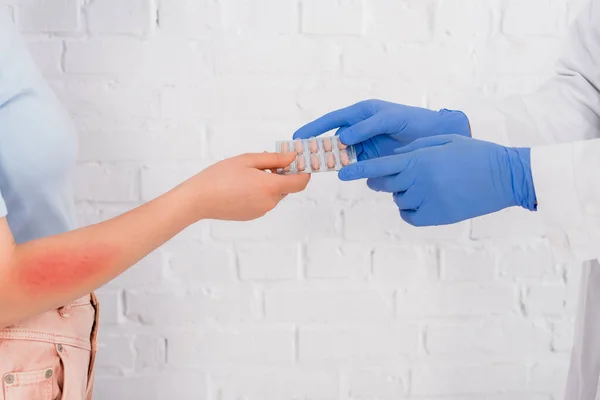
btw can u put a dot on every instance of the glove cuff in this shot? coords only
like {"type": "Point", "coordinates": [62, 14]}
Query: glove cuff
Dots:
{"type": "Point", "coordinates": [522, 179]}
{"type": "Point", "coordinates": [455, 122]}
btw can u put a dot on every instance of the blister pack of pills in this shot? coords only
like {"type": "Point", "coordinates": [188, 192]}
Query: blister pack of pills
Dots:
{"type": "Point", "coordinates": [320, 154]}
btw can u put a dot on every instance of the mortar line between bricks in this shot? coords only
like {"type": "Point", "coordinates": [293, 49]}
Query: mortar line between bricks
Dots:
{"type": "Point", "coordinates": [303, 261]}
{"type": "Point", "coordinates": [63, 56]}
{"type": "Point", "coordinates": [296, 344]}
{"type": "Point", "coordinates": [299, 11]}
{"type": "Point", "coordinates": [156, 14]}
{"type": "Point", "coordinates": [166, 344]}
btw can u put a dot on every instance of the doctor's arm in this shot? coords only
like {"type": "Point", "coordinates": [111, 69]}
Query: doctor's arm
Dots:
{"type": "Point", "coordinates": [561, 122]}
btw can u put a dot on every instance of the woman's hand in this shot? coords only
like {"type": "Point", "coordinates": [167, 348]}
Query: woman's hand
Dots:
{"type": "Point", "coordinates": [242, 189]}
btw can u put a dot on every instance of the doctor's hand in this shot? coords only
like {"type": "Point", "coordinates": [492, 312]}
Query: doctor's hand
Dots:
{"type": "Point", "coordinates": [446, 179]}
{"type": "Point", "coordinates": [377, 127]}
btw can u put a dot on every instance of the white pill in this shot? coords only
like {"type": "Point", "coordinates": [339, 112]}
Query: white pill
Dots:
{"type": "Point", "coordinates": [300, 163]}
{"type": "Point", "coordinates": [315, 162]}
{"type": "Point", "coordinates": [298, 146]}
{"type": "Point", "coordinates": [330, 160]}
{"type": "Point", "coordinates": [344, 158]}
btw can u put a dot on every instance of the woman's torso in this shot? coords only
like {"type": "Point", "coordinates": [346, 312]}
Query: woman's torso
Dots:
{"type": "Point", "coordinates": [38, 146]}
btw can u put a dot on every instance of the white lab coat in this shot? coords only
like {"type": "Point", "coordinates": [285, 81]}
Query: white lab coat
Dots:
{"type": "Point", "coordinates": [561, 122]}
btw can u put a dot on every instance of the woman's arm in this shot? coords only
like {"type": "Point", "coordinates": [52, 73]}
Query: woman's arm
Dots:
{"type": "Point", "coordinates": [44, 274]}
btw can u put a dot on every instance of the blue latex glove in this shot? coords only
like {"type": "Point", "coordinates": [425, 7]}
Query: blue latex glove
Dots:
{"type": "Point", "coordinates": [377, 127]}
{"type": "Point", "coordinates": [446, 179]}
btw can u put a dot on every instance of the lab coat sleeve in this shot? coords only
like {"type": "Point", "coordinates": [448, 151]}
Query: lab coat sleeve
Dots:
{"type": "Point", "coordinates": [561, 122]}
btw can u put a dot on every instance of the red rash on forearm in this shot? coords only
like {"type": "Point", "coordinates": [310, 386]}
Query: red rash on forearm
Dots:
{"type": "Point", "coordinates": [61, 269]}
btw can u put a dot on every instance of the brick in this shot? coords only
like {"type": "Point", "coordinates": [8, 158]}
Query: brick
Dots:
{"type": "Point", "coordinates": [295, 55]}
{"type": "Point", "coordinates": [532, 56]}
{"type": "Point", "coordinates": [135, 17]}
{"type": "Point", "coordinates": [159, 144]}
{"type": "Point", "coordinates": [528, 263]}
{"type": "Point", "coordinates": [458, 94]}
{"type": "Point", "coordinates": [160, 177]}
{"type": "Point", "coordinates": [87, 214]}
{"type": "Point", "coordinates": [288, 221]}
{"type": "Point", "coordinates": [320, 95]}
{"type": "Point", "coordinates": [313, 305]}
{"type": "Point", "coordinates": [115, 351]}
{"type": "Point", "coordinates": [550, 378]}
{"type": "Point", "coordinates": [129, 56]}
{"type": "Point", "coordinates": [290, 384]}
{"type": "Point", "coordinates": [111, 311]}
{"type": "Point", "coordinates": [467, 264]}
{"type": "Point", "coordinates": [257, 99]}
{"type": "Point", "coordinates": [250, 136]}
{"type": "Point", "coordinates": [189, 18]}
{"type": "Point", "coordinates": [54, 16]}
{"type": "Point", "coordinates": [231, 346]}
{"type": "Point", "coordinates": [550, 20]}
{"type": "Point", "coordinates": [194, 263]}
{"type": "Point", "coordinates": [150, 352]}
{"type": "Point", "coordinates": [405, 21]}
{"type": "Point", "coordinates": [323, 189]}
{"type": "Point", "coordinates": [442, 380]}
{"type": "Point", "coordinates": [146, 273]}
{"type": "Point", "coordinates": [563, 334]}
{"type": "Point", "coordinates": [372, 60]}
{"type": "Point", "coordinates": [268, 262]}
{"type": "Point", "coordinates": [410, 265]}
{"type": "Point", "coordinates": [508, 223]}
{"type": "Point", "coordinates": [381, 221]}
{"type": "Point", "coordinates": [505, 339]}
{"type": "Point", "coordinates": [198, 19]}
{"type": "Point", "coordinates": [463, 19]}
{"type": "Point", "coordinates": [333, 259]}
{"type": "Point", "coordinates": [97, 103]}
{"type": "Point", "coordinates": [376, 383]}
{"type": "Point", "coordinates": [102, 182]}
{"type": "Point", "coordinates": [195, 307]}
{"type": "Point", "coordinates": [364, 344]}
{"type": "Point", "coordinates": [416, 64]}
{"type": "Point", "coordinates": [260, 18]}
{"type": "Point", "coordinates": [184, 385]}
{"type": "Point", "coordinates": [332, 17]}
{"type": "Point", "coordinates": [546, 300]}
{"type": "Point", "coordinates": [456, 300]}
{"type": "Point", "coordinates": [510, 85]}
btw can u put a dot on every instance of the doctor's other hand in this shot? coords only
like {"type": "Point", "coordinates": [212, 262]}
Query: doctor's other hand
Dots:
{"type": "Point", "coordinates": [447, 179]}
{"type": "Point", "coordinates": [241, 188]}
{"type": "Point", "coordinates": [377, 127]}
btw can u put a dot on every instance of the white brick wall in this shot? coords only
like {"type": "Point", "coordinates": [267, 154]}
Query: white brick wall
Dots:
{"type": "Point", "coordinates": [331, 296]}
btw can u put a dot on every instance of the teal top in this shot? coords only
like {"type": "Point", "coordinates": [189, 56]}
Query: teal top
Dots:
{"type": "Point", "coordinates": [38, 146]}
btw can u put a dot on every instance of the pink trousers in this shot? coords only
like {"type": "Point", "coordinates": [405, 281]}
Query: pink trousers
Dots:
{"type": "Point", "coordinates": [51, 356]}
